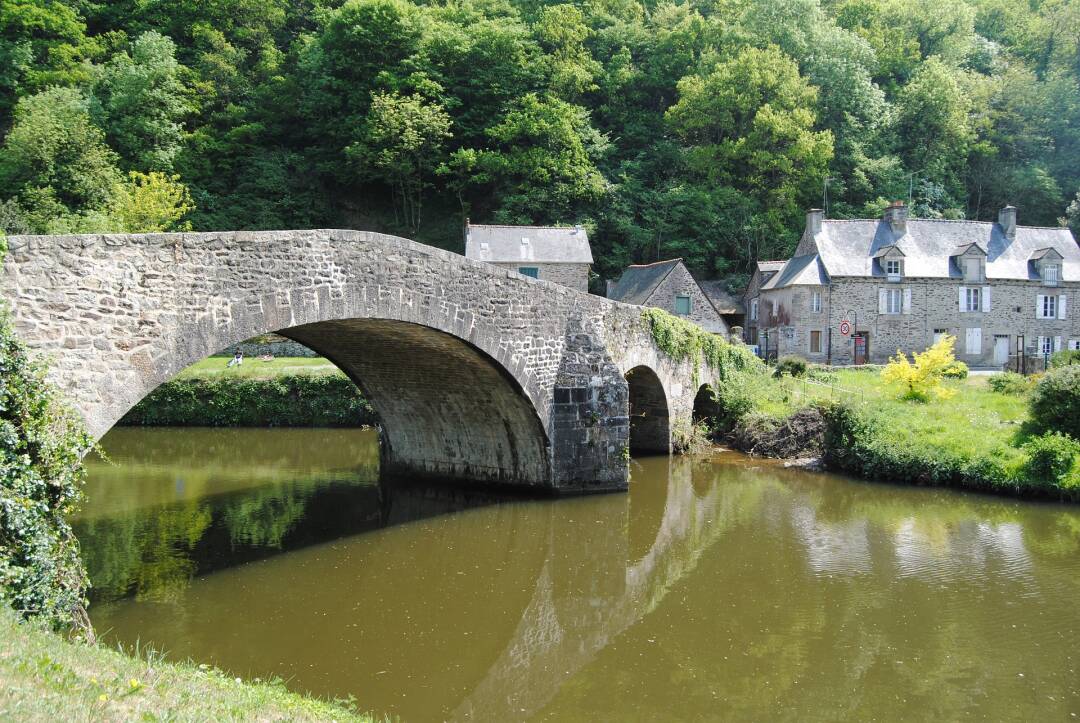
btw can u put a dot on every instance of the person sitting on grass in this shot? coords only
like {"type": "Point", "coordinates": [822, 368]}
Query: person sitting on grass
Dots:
{"type": "Point", "coordinates": [237, 360]}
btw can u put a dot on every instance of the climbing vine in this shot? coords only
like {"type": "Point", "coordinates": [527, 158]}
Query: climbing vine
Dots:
{"type": "Point", "coordinates": [683, 340]}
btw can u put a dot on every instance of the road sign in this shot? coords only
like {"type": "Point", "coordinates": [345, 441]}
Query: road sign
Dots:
{"type": "Point", "coordinates": [845, 327]}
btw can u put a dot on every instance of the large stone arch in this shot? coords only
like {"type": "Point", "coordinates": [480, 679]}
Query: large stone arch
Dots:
{"type": "Point", "coordinates": [119, 315]}
{"type": "Point", "coordinates": [650, 412]}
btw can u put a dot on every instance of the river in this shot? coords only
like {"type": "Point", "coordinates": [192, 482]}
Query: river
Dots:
{"type": "Point", "coordinates": [720, 587]}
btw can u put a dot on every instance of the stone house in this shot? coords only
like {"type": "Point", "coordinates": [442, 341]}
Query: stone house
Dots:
{"type": "Point", "coordinates": [727, 304]}
{"type": "Point", "coordinates": [901, 283]}
{"type": "Point", "coordinates": [557, 254]}
{"type": "Point", "coordinates": [668, 285]}
{"type": "Point", "coordinates": [763, 271]}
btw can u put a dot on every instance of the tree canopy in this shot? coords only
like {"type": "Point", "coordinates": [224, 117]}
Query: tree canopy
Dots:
{"type": "Point", "coordinates": [698, 128]}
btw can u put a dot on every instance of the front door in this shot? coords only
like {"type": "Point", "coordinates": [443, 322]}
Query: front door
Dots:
{"type": "Point", "coordinates": [1001, 349]}
{"type": "Point", "coordinates": [861, 349]}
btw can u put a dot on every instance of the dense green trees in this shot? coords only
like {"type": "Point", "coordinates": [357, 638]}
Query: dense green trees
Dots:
{"type": "Point", "coordinates": [700, 128]}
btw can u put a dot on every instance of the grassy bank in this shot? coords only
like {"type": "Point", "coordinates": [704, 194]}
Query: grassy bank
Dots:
{"type": "Point", "coordinates": [976, 439]}
{"type": "Point", "coordinates": [44, 677]}
{"type": "Point", "coordinates": [289, 392]}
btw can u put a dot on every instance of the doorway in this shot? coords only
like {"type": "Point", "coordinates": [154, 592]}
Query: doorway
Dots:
{"type": "Point", "coordinates": [1001, 349]}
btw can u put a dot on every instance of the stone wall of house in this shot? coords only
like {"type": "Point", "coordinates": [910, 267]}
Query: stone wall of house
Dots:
{"type": "Point", "coordinates": [935, 305]}
{"type": "Point", "coordinates": [574, 276]}
{"type": "Point", "coordinates": [679, 282]}
{"type": "Point", "coordinates": [753, 291]}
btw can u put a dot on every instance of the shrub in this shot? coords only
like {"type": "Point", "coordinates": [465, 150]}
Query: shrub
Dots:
{"type": "Point", "coordinates": [288, 401]}
{"type": "Point", "coordinates": [1065, 357]}
{"type": "Point", "coordinates": [1055, 401]}
{"type": "Point", "coordinates": [922, 379]}
{"type": "Point", "coordinates": [791, 365]}
{"type": "Point", "coordinates": [956, 370]}
{"type": "Point", "coordinates": [1051, 457]}
{"type": "Point", "coordinates": [819, 374]}
{"type": "Point", "coordinates": [1009, 383]}
{"type": "Point", "coordinates": [41, 446]}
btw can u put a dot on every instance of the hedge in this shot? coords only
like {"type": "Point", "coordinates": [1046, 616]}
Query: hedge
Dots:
{"type": "Point", "coordinates": [296, 400]}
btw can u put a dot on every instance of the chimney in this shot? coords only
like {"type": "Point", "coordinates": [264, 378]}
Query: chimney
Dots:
{"type": "Point", "coordinates": [1007, 219]}
{"type": "Point", "coordinates": [814, 217]}
{"type": "Point", "coordinates": [896, 215]}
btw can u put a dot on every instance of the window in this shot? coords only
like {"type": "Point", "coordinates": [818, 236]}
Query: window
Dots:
{"type": "Point", "coordinates": [815, 342]}
{"type": "Point", "coordinates": [1047, 307]}
{"type": "Point", "coordinates": [530, 271]}
{"type": "Point", "coordinates": [1046, 345]}
{"type": "Point", "coordinates": [815, 302]}
{"type": "Point", "coordinates": [682, 305]}
{"type": "Point", "coordinates": [1050, 275]}
{"type": "Point", "coordinates": [753, 310]}
{"type": "Point", "coordinates": [892, 269]}
{"type": "Point", "coordinates": [1074, 344]}
{"type": "Point", "coordinates": [972, 269]}
{"type": "Point", "coordinates": [971, 298]}
{"type": "Point", "coordinates": [894, 301]}
{"type": "Point", "coordinates": [938, 333]}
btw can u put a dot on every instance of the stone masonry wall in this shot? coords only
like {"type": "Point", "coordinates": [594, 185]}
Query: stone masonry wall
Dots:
{"type": "Point", "coordinates": [120, 314]}
{"type": "Point", "coordinates": [934, 305]}
{"type": "Point", "coordinates": [573, 276]}
{"type": "Point", "coordinates": [680, 283]}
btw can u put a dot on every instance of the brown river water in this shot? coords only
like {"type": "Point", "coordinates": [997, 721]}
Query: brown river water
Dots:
{"type": "Point", "coordinates": [719, 588]}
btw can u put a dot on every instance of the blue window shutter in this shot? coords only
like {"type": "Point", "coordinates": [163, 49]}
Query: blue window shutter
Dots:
{"type": "Point", "coordinates": [682, 305]}
{"type": "Point", "coordinates": [531, 271]}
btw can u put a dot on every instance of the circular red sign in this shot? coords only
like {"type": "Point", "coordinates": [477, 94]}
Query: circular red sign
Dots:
{"type": "Point", "coordinates": [845, 327]}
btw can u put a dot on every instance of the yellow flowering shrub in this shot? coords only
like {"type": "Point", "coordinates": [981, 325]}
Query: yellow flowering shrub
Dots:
{"type": "Point", "coordinates": [922, 379]}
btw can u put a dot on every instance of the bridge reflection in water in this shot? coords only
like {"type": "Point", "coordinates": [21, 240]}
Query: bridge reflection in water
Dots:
{"type": "Point", "coordinates": [715, 588]}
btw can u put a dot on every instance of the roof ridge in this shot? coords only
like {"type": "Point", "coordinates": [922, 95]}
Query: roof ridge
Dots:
{"type": "Point", "coordinates": [944, 220]}
{"type": "Point", "coordinates": [508, 225]}
{"type": "Point", "coordinates": [654, 263]}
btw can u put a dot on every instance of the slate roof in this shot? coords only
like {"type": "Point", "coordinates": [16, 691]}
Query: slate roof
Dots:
{"type": "Point", "coordinates": [847, 248]}
{"type": "Point", "coordinates": [722, 300]}
{"type": "Point", "coordinates": [545, 244]}
{"type": "Point", "coordinates": [638, 283]}
{"type": "Point", "coordinates": [807, 270]}
{"type": "Point", "coordinates": [766, 266]}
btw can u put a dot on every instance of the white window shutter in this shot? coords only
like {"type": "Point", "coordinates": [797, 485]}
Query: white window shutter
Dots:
{"type": "Point", "coordinates": [963, 297]}
{"type": "Point", "coordinates": [1061, 306]}
{"type": "Point", "coordinates": [1057, 343]}
{"type": "Point", "coordinates": [1039, 306]}
{"type": "Point", "coordinates": [986, 298]}
{"type": "Point", "coordinates": [907, 301]}
{"type": "Point", "coordinates": [882, 300]}
{"type": "Point", "coordinates": [1039, 348]}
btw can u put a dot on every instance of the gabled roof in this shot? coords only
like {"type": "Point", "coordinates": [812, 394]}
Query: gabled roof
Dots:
{"type": "Point", "coordinates": [638, 283]}
{"type": "Point", "coordinates": [542, 244]}
{"type": "Point", "coordinates": [722, 300]}
{"type": "Point", "coordinates": [847, 248]}
{"type": "Point", "coordinates": [766, 266]}
{"type": "Point", "coordinates": [964, 248]}
{"type": "Point", "coordinates": [799, 271]}
{"type": "Point", "coordinates": [1047, 253]}
{"type": "Point", "coordinates": [886, 250]}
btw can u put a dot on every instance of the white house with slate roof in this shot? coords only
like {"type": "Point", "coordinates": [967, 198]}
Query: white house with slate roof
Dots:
{"type": "Point", "coordinates": [557, 254]}
{"type": "Point", "coordinates": [996, 287]}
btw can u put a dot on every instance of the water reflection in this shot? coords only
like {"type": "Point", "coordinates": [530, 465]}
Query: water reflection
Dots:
{"type": "Point", "coordinates": [723, 588]}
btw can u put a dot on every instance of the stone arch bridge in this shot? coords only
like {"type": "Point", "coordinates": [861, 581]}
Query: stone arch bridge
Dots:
{"type": "Point", "coordinates": [477, 373]}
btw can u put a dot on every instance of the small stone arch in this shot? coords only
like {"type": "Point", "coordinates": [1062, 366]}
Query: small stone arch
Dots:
{"type": "Point", "coordinates": [650, 423]}
{"type": "Point", "coordinates": [706, 406]}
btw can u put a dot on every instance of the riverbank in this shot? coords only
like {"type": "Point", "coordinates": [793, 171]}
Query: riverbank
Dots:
{"type": "Point", "coordinates": [977, 439]}
{"type": "Point", "coordinates": [44, 677]}
{"type": "Point", "coordinates": [283, 392]}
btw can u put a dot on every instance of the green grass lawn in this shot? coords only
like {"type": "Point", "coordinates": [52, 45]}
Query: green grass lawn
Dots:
{"type": "Point", "coordinates": [44, 677]}
{"type": "Point", "coordinates": [976, 422]}
{"type": "Point", "coordinates": [216, 367]}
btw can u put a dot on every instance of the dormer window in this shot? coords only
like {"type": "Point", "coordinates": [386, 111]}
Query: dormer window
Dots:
{"type": "Point", "coordinates": [1051, 274]}
{"type": "Point", "coordinates": [973, 268]}
{"type": "Point", "coordinates": [893, 269]}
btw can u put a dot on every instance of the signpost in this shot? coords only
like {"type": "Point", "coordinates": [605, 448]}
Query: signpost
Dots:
{"type": "Point", "coordinates": [845, 328]}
